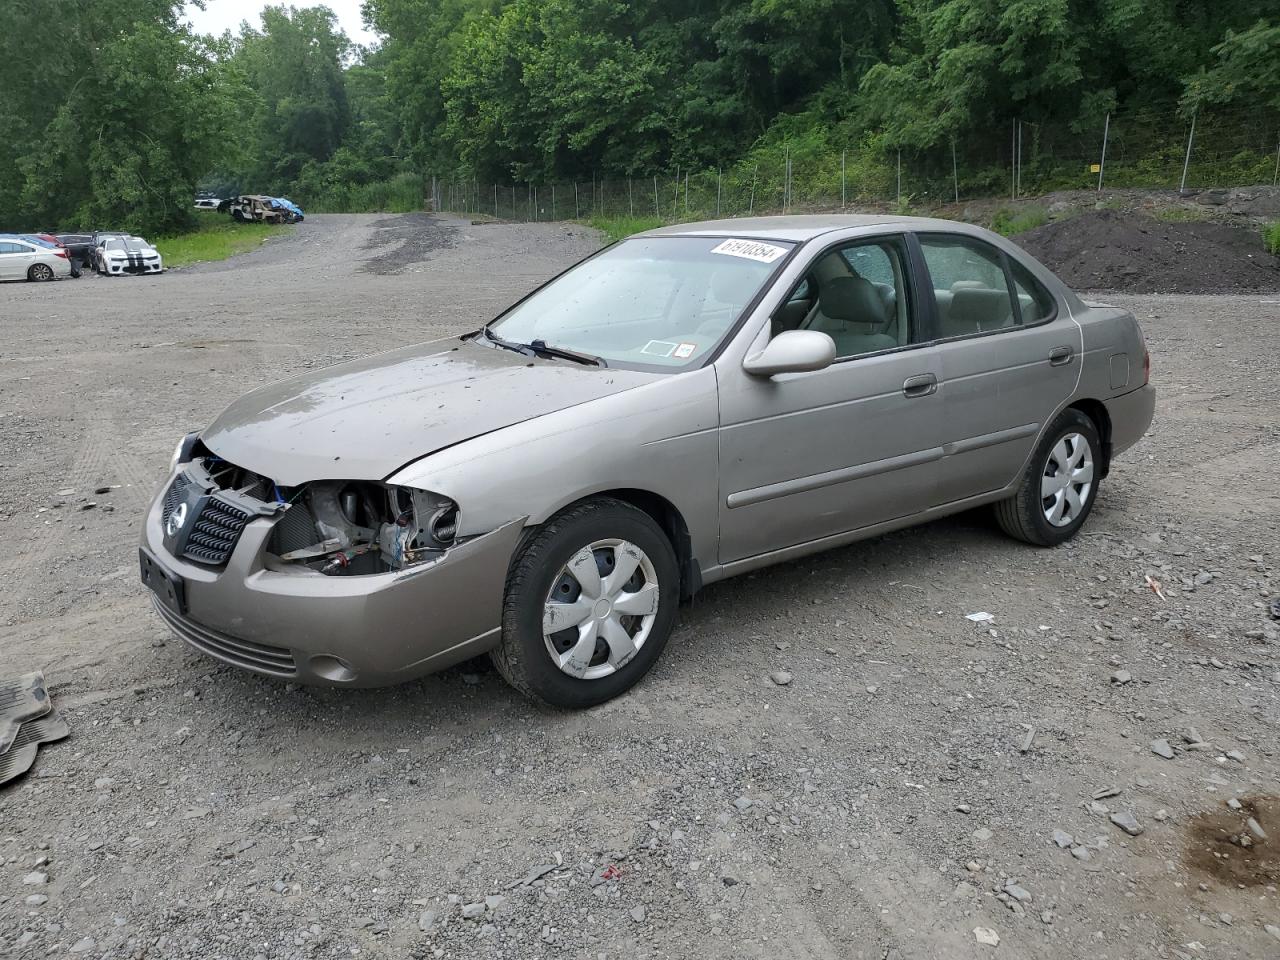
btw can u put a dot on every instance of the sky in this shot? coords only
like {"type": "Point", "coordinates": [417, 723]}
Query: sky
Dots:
{"type": "Point", "coordinates": [221, 15]}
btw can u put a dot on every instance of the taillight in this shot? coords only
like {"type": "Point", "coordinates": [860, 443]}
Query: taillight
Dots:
{"type": "Point", "coordinates": [62, 254]}
{"type": "Point", "coordinates": [1146, 367]}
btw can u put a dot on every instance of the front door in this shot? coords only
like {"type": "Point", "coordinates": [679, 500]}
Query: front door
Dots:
{"type": "Point", "coordinates": [13, 260]}
{"type": "Point", "coordinates": [805, 456]}
{"type": "Point", "coordinates": [1009, 359]}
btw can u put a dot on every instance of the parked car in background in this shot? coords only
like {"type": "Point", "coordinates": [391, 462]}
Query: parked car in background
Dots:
{"type": "Point", "coordinates": [293, 212]}
{"type": "Point", "coordinates": [24, 257]}
{"type": "Point", "coordinates": [118, 255]}
{"type": "Point", "coordinates": [254, 208]}
{"type": "Point", "coordinates": [79, 246]}
{"type": "Point", "coordinates": [207, 203]}
{"type": "Point", "coordinates": [689, 404]}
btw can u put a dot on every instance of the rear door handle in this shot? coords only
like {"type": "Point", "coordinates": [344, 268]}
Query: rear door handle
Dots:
{"type": "Point", "coordinates": [1059, 355]}
{"type": "Point", "coordinates": [920, 386]}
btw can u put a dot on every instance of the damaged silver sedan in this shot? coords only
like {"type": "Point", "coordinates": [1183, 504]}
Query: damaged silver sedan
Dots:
{"type": "Point", "coordinates": [692, 403]}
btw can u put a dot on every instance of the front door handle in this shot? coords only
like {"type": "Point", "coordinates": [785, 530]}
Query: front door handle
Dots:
{"type": "Point", "coordinates": [920, 386]}
{"type": "Point", "coordinates": [1059, 356]}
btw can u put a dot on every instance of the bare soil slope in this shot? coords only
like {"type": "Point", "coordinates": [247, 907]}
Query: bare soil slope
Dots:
{"type": "Point", "coordinates": [1111, 250]}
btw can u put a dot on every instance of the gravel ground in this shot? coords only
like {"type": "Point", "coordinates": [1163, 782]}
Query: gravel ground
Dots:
{"type": "Point", "coordinates": [908, 794]}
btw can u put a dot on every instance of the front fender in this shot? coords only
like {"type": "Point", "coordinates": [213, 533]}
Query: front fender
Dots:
{"type": "Point", "coordinates": [660, 438]}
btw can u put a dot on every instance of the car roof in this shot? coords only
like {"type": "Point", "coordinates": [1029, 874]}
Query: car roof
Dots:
{"type": "Point", "coordinates": [802, 228]}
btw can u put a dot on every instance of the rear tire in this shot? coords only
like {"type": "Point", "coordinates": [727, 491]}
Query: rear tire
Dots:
{"type": "Point", "coordinates": [40, 272]}
{"type": "Point", "coordinates": [598, 653]}
{"type": "Point", "coordinates": [1059, 485]}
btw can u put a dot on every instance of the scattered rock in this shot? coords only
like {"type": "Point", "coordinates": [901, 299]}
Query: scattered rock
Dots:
{"type": "Point", "coordinates": [1272, 929]}
{"type": "Point", "coordinates": [37, 900]}
{"type": "Point", "coordinates": [637, 914]}
{"type": "Point", "coordinates": [780, 677]}
{"type": "Point", "coordinates": [1127, 822]}
{"type": "Point", "coordinates": [426, 920]}
{"type": "Point", "coordinates": [1081, 853]}
{"type": "Point", "coordinates": [982, 834]}
{"type": "Point", "coordinates": [35, 878]}
{"type": "Point", "coordinates": [1121, 677]}
{"type": "Point", "coordinates": [1019, 893]}
{"type": "Point", "coordinates": [743, 803]}
{"type": "Point", "coordinates": [1161, 748]}
{"type": "Point", "coordinates": [83, 945]}
{"type": "Point", "coordinates": [1256, 829]}
{"type": "Point", "coordinates": [472, 911]}
{"type": "Point", "coordinates": [986, 936]}
{"type": "Point", "coordinates": [1235, 755]}
{"type": "Point", "coordinates": [494, 903]}
{"type": "Point", "coordinates": [1063, 839]}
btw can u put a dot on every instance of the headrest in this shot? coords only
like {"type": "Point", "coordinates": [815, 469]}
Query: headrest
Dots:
{"type": "Point", "coordinates": [853, 299]}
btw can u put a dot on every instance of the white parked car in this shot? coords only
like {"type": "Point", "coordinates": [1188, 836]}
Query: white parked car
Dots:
{"type": "Point", "coordinates": [207, 203]}
{"type": "Point", "coordinates": [22, 259]}
{"type": "Point", "coordinates": [123, 254]}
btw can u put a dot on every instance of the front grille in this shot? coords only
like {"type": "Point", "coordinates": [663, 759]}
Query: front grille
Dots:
{"type": "Point", "coordinates": [259, 657]}
{"type": "Point", "coordinates": [176, 494]}
{"type": "Point", "coordinates": [215, 532]}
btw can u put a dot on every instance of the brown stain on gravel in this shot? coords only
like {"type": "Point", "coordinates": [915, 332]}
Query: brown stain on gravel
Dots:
{"type": "Point", "coordinates": [1220, 844]}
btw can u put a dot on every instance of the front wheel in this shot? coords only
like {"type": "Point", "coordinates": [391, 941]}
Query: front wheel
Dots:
{"type": "Point", "coordinates": [1059, 485]}
{"type": "Point", "coordinates": [590, 603]}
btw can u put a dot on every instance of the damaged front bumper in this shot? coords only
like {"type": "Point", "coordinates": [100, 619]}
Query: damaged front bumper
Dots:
{"type": "Point", "coordinates": [360, 631]}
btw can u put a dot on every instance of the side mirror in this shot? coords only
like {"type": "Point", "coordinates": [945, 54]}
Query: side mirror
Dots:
{"type": "Point", "coordinates": [792, 351]}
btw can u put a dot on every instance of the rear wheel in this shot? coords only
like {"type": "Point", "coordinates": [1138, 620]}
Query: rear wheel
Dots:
{"type": "Point", "coordinates": [590, 603]}
{"type": "Point", "coordinates": [40, 271]}
{"type": "Point", "coordinates": [1059, 485]}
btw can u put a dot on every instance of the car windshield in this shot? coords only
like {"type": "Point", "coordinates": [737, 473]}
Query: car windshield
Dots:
{"type": "Point", "coordinates": [649, 302]}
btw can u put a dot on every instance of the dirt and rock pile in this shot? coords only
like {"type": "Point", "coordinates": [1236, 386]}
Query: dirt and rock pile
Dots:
{"type": "Point", "coordinates": [1111, 250]}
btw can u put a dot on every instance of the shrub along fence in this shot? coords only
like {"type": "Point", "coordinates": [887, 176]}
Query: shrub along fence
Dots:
{"type": "Point", "coordinates": [1148, 149]}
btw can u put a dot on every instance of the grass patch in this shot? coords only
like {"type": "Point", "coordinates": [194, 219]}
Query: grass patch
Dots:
{"type": "Point", "coordinates": [401, 194]}
{"type": "Point", "coordinates": [619, 228]}
{"type": "Point", "coordinates": [1181, 215]}
{"type": "Point", "coordinates": [217, 238]}
{"type": "Point", "coordinates": [1271, 237]}
{"type": "Point", "coordinates": [1007, 222]}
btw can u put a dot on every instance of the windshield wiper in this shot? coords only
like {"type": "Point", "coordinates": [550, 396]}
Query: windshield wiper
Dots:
{"type": "Point", "coordinates": [541, 347]}
{"type": "Point", "coordinates": [520, 348]}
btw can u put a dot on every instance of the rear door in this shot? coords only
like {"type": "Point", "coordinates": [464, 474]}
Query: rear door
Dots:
{"type": "Point", "coordinates": [1009, 358]}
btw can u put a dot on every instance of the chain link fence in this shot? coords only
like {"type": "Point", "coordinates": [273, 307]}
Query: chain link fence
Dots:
{"type": "Point", "coordinates": [1151, 149]}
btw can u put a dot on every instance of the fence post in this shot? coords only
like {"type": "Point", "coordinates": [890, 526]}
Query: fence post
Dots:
{"type": "Point", "coordinates": [786, 179]}
{"type": "Point", "coordinates": [1018, 191]}
{"type": "Point", "coordinates": [899, 177]}
{"type": "Point", "coordinates": [686, 193]}
{"type": "Point", "coordinates": [751, 206]}
{"type": "Point", "coordinates": [656, 212]}
{"type": "Point", "coordinates": [955, 174]}
{"type": "Point", "coordinates": [1013, 162]}
{"type": "Point", "coordinates": [717, 191]}
{"type": "Point", "coordinates": [844, 193]}
{"type": "Point", "coordinates": [631, 199]}
{"type": "Point", "coordinates": [1187, 162]}
{"type": "Point", "coordinates": [1102, 162]}
{"type": "Point", "coordinates": [1275, 177]}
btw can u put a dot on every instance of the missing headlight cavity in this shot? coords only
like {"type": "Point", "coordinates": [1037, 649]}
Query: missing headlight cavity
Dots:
{"type": "Point", "coordinates": [360, 527]}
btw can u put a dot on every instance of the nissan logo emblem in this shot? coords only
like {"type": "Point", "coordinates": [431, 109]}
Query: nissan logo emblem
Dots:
{"type": "Point", "coordinates": [176, 520]}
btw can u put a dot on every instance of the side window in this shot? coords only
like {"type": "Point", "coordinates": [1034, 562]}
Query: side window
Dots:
{"type": "Point", "coordinates": [1034, 301]}
{"type": "Point", "coordinates": [858, 295]}
{"type": "Point", "coordinates": [9, 248]}
{"type": "Point", "coordinates": [969, 286]}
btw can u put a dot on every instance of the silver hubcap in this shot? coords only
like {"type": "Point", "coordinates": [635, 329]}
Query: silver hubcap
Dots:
{"type": "Point", "coordinates": [600, 609]}
{"type": "Point", "coordinates": [42, 272]}
{"type": "Point", "coordinates": [1067, 480]}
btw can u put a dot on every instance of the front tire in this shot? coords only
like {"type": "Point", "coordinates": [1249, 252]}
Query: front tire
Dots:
{"type": "Point", "coordinates": [1058, 486]}
{"type": "Point", "coordinates": [590, 602]}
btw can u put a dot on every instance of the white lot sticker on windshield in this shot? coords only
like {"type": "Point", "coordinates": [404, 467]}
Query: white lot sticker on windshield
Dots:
{"type": "Point", "coordinates": [658, 348]}
{"type": "Point", "coordinates": [685, 350]}
{"type": "Point", "coordinates": [750, 250]}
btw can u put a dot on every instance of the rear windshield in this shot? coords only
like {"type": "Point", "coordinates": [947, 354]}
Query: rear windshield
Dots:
{"type": "Point", "coordinates": [649, 302]}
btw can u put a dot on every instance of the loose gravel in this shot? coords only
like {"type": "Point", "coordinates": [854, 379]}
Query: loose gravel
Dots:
{"type": "Point", "coordinates": [830, 760]}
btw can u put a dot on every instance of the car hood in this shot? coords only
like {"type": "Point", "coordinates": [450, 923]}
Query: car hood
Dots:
{"type": "Point", "coordinates": [366, 419]}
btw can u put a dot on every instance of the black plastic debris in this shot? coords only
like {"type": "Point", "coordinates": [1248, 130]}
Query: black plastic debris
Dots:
{"type": "Point", "coordinates": [27, 719]}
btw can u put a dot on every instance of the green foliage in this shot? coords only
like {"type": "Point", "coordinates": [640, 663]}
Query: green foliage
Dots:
{"type": "Point", "coordinates": [1246, 66]}
{"type": "Point", "coordinates": [1271, 237]}
{"type": "Point", "coordinates": [402, 193]}
{"type": "Point", "coordinates": [1007, 222]}
{"type": "Point", "coordinates": [621, 227]}
{"type": "Point", "coordinates": [216, 237]}
{"type": "Point", "coordinates": [108, 117]}
{"type": "Point", "coordinates": [1181, 215]}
